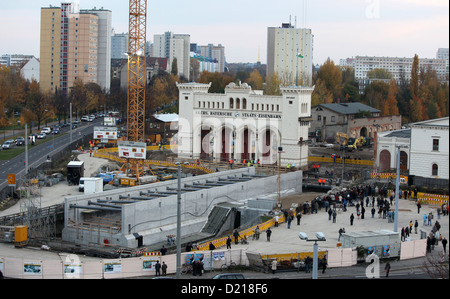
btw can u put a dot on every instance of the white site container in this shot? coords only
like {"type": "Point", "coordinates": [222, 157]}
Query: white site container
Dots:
{"type": "Point", "coordinates": [93, 185]}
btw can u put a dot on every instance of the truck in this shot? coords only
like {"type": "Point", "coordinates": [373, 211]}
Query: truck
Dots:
{"type": "Point", "coordinates": [75, 171]}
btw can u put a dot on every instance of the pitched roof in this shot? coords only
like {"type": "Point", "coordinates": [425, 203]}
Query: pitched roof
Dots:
{"type": "Point", "coordinates": [349, 108]}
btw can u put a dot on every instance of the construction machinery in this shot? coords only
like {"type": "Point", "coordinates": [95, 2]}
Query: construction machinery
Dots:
{"type": "Point", "coordinates": [342, 139]}
{"type": "Point", "coordinates": [358, 144]}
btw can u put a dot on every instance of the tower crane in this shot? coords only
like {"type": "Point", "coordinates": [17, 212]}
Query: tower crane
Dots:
{"type": "Point", "coordinates": [136, 82]}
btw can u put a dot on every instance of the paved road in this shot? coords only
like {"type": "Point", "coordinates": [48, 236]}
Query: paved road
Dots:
{"type": "Point", "coordinates": [38, 154]}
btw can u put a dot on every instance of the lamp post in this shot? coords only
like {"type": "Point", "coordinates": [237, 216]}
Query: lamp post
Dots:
{"type": "Point", "coordinates": [320, 237]}
{"type": "Point", "coordinates": [179, 220]}
{"type": "Point", "coordinates": [397, 187]}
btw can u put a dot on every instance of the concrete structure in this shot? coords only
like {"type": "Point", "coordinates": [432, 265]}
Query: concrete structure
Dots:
{"type": "Point", "coordinates": [430, 149]}
{"type": "Point", "coordinates": [170, 45]}
{"type": "Point", "coordinates": [147, 214]}
{"type": "Point", "coordinates": [329, 119]}
{"type": "Point", "coordinates": [75, 45]}
{"type": "Point", "coordinates": [386, 152]}
{"type": "Point", "coordinates": [290, 54]}
{"type": "Point", "coordinates": [243, 124]}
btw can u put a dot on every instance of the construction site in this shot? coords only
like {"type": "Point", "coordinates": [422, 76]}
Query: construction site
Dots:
{"type": "Point", "coordinates": [136, 211]}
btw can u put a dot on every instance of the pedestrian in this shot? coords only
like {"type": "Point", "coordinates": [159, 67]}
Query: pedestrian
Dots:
{"type": "Point", "coordinates": [416, 225]}
{"type": "Point", "coordinates": [373, 212]}
{"type": "Point", "coordinates": [276, 218]}
{"type": "Point", "coordinates": [157, 268]}
{"type": "Point", "coordinates": [330, 212]}
{"type": "Point", "coordinates": [430, 217]}
{"type": "Point", "coordinates": [387, 268]}
{"type": "Point", "coordinates": [164, 269]}
{"type": "Point", "coordinates": [289, 220]}
{"type": "Point", "coordinates": [402, 235]}
{"type": "Point", "coordinates": [334, 216]}
{"type": "Point", "coordinates": [340, 234]}
{"type": "Point", "coordinates": [269, 233]}
{"type": "Point", "coordinates": [257, 232]}
{"type": "Point", "coordinates": [211, 246]}
{"type": "Point", "coordinates": [363, 210]}
{"type": "Point", "coordinates": [228, 242]}
{"type": "Point", "coordinates": [444, 244]}
{"type": "Point", "coordinates": [324, 265]}
{"type": "Point", "coordinates": [425, 219]}
{"type": "Point", "coordinates": [351, 219]}
{"type": "Point", "coordinates": [419, 205]}
{"type": "Point", "coordinates": [307, 264]}
{"type": "Point", "coordinates": [236, 236]}
{"type": "Point", "coordinates": [299, 217]}
{"type": "Point", "coordinates": [163, 250]}
{"type": "Point", "coordinates": [274, 266]}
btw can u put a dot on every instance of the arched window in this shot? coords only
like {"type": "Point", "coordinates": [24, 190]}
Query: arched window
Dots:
{"type": "Point", "coordinates": [435, 170]}
{"type": "Point", "coordinates": [244, 104]}
{"type": "Point", "coordinates": [238, 104]}
{"type": "Point", "coordinates": [231, 103]}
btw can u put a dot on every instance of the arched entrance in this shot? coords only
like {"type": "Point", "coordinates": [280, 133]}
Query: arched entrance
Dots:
{"type": "Point", "coordinates": [403, 161]}
{"type": "Point", "coordinates": [385, 160]}
{"type": "Point", "coordinates": [226, 144]}
{"type": "Point", "coordinates": [363, 132]}
{"type": "Point", "coordinates": [206, 146]}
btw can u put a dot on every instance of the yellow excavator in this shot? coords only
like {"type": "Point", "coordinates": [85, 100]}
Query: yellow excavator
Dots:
{"type": "Point", "coordinates": [342, 139]}
{"type": "Point", "coordinates": [358, 144]}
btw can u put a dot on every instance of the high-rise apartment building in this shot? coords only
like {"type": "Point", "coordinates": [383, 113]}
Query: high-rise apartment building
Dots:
{"type": "Point", "coordinates": [290, 54]}
{"type": "Point", "coordinates": [216, 53]}
{"type": "Point", "coordinates": [170, 45]}
{"type": "Point", "coordinates": [75, 44]}
{"type": "Point", "coordinates": [119, 46]}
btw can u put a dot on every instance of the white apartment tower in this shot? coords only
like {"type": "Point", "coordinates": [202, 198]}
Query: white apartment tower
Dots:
{"type": "Point", "coordinates": [290, 54]}
{"type": "Point", "coordinates": [170, 45]}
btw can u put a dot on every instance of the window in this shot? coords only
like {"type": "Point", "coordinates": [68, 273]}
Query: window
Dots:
{"type": "Point", "coordinates": [231, 103]}
{"type": "Point", "coordinates": [319, 117]}
{"type": "Point", "coordinates": [435, 145]}
{"type": "Point", "coordinates": [435, 170]}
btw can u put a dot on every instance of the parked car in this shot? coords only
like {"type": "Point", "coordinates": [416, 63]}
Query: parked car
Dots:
{"type": "Point", "coordinates": [91, 118]}
{"type": "Point", "coordinates": [46, 130]}
{"type": "Point", "coordinates": [9, 144]}
{"type": "Point", "coordinates": [56, 131]}
{"type": "Point", "coordinates": [41, 136]}
{"type": "Point", "coordinates": [20, 141]}
{"type": "Point", "coordinates": [85, 118]}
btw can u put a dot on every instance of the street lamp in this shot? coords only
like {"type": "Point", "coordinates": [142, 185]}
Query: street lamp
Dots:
{"type": "Point", "coordinates": [319, 237]}
{"type": "Point", "coordinates": [179, 219]}
{"type": "Point", "coordinates": [397, 186]}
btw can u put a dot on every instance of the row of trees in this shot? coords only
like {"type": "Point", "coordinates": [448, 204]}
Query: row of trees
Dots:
{"type": "Point", "coordinates": [19, 96]}
{"type": "Point", "coordinates": [423, 97]}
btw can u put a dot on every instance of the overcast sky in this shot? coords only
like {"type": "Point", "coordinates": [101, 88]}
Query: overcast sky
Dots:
{"type": "Point", "coordinates": [341, 29]}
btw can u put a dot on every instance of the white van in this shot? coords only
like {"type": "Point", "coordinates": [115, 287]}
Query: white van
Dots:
{"type": "Point", "coordinates": [81, 185]}
{"type": "Point", "coordinates": [46, 130]}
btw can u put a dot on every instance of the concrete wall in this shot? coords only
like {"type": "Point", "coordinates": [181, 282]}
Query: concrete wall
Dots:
{"type": "Point", "coordinates": [156, 219]}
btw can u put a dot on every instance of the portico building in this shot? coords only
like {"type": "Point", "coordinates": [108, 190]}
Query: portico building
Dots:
{"type": "Point", "coordinates": [243, 124]}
